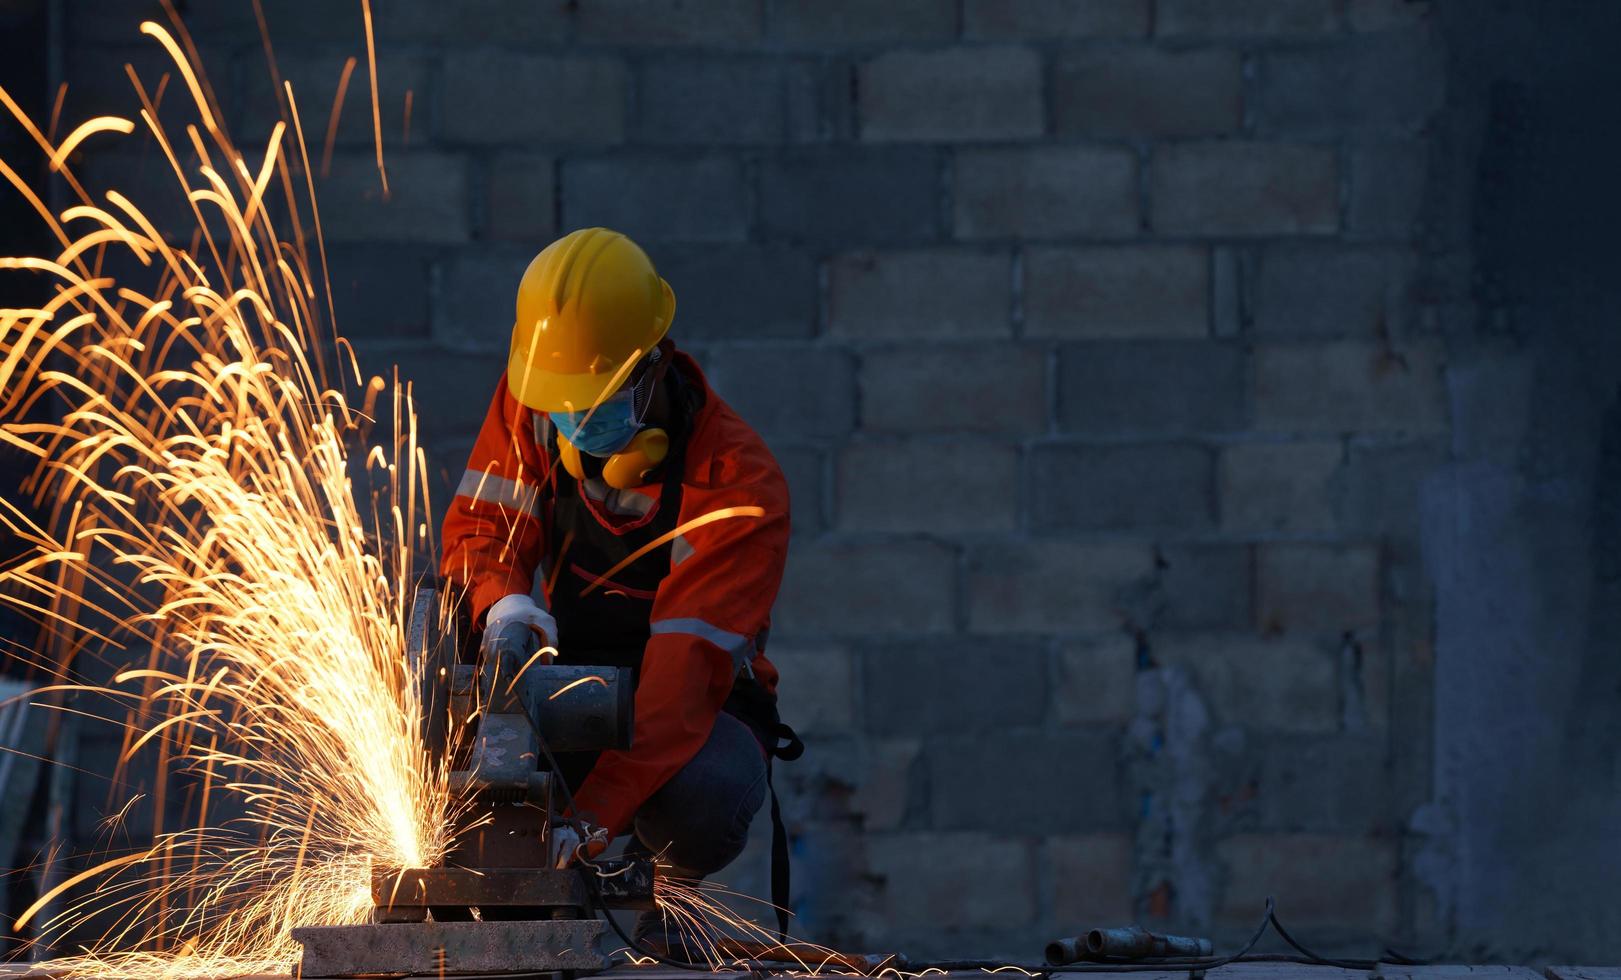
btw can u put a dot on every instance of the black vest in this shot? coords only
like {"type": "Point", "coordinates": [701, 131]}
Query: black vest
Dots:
{"type": "Point", "coordinates": [607, 625]}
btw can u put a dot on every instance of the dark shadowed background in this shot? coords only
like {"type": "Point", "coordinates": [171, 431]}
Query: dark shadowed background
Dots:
{"type": "Point", "coordinates": [1203, 417]}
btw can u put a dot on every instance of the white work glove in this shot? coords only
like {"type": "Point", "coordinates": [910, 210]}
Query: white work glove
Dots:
{"type": "Point", "coordinates": [566, 844]}
{"type": "Point", "coordinates": [518, 608]}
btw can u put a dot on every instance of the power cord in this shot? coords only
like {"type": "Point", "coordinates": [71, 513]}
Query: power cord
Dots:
{"type": "Point", "coordinates": [1157, 966]}
{"type": "Point", "coordinates": [1312, 957]}
{"type": "Point", "coordinates": [1391, 956]}
{"type": "Point", "coordinates": [1190, 964]}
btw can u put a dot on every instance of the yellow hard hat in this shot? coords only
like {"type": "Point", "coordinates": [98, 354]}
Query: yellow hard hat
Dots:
{"type": "Point", "coordinates": [589, 306]}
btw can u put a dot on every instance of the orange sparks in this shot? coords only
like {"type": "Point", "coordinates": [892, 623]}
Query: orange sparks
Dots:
{"type": "Point", "coordinates": [671, 535]}
{"type": "Point", "coordinates": [376, 111]}
{"type": "Point", "coordinates": [202, 102]}
{"type": "Point", "coordinates": [86, 129]}
{"type": "Point", "coordinates": [208, 533]}
{"type": "Point", "coordinates": [533, 658]}
{"type": "Point", "coordinates": [45, 899]}
{"type": "Point", "coordinates": [571, 685]}
{"type": "Point", "coordinates": [200, 508]}
{"type": "Point", "coordinates": [270, 54]}
{"type": "Point", "coordinates": [337, 111]}
{"type": "Point", "coordinates": [56, 110]}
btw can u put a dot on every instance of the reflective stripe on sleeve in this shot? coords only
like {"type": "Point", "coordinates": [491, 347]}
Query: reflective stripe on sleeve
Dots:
{"type": "Point", "coordinates": [680, 550]}
{"type": "Point", "coordinates": [487, 488]}
{"type": "Point", "coordinates": [740, 647]}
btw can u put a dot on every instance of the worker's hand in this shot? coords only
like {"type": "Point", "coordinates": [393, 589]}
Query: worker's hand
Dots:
{"type": "Point", "coordinates": [568, 845]}
{"type": "Point", "coordinates": [518, 608]}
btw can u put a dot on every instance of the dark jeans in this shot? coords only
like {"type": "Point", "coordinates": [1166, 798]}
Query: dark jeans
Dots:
{"type": "Point", "coordinates": [699, 820]}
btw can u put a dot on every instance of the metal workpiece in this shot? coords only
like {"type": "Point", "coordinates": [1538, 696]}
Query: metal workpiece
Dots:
{"type": "Point", "coordinates": [621, 883]}
{"type": "Point", "coordinates": [481, 887]}
{"type": "Point", "coordinates": [441, 948]}
{"type": "Point", "coordinates": [505, 836]}
{"type": "Point", "coordinates": [1124, 943]}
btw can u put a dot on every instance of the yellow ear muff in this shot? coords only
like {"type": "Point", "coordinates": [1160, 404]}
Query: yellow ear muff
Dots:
{"type": "Point", "coordinates": [569, 457]}
{"type": "Point", "coordinates": [631, 466]}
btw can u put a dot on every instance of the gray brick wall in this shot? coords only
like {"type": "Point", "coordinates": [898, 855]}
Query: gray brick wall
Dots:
{"type": "Point", "coordinates": [1092, 339]}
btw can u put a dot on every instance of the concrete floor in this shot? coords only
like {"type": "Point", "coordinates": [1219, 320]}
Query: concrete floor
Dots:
{"type": "Point", "coordinates": [1237, 971]}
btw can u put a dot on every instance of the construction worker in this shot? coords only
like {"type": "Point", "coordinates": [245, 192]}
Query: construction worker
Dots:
{"type": "Point", "coordinates": [603, 439]}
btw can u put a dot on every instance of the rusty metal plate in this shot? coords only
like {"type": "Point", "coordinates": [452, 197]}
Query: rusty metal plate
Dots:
{"type": "Point", "coordinates": [484, 887]}
{"type": "Point", "coordinates": [506, 836]}
{"type": "Point", "coordinates": [434, 948]}
{"type": "Point", "coordinates": [621, 883]}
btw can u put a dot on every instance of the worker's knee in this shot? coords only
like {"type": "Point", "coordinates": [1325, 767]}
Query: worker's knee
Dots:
{"type": "Point", "coordinates": [699, 820]}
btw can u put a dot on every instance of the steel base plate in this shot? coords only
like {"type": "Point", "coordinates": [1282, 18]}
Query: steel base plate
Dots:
{"type": "Point", "coordinates": [433, 948]}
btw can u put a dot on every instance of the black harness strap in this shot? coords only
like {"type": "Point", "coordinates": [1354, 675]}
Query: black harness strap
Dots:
{"type": "Point", "coordinates": [781, 873]}
{"type": "Point", "coordinates": [750, 704]}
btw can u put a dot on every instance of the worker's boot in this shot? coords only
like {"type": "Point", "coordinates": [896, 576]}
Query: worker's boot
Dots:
{"type": "Point", "coordinates": [664, 933]}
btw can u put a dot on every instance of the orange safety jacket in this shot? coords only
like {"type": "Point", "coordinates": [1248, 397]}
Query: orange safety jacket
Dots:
{"type": "Point", "coordinates": [695, 610]}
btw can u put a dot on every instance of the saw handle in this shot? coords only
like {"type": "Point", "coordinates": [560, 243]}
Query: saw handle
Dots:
{"type": "Point", "coordinates": [521, 639]}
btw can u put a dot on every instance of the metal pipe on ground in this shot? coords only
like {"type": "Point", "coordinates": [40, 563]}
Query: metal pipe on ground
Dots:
{"type": "Point", "coordinates": [1123, 943]}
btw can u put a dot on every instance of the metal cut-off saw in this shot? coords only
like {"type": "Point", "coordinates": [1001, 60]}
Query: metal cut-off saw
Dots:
{"type": "Point", "coordinates": [497, 904]}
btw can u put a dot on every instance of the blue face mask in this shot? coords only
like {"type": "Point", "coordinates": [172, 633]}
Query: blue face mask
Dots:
{"type": "Point", "coordinates": [608, 430]}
